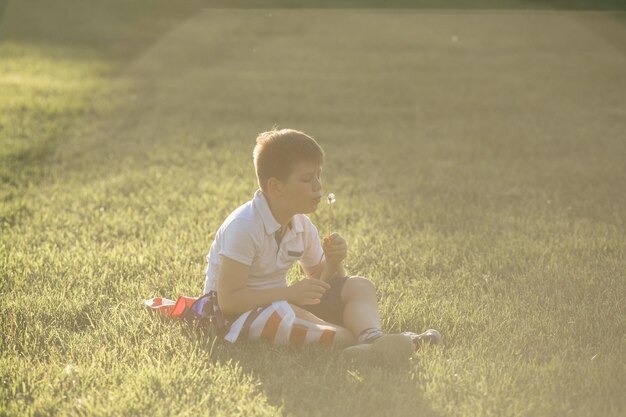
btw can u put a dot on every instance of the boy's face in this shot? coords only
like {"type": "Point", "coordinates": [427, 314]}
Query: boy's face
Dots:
{"type": "Point", "coordinates": [302, 192]}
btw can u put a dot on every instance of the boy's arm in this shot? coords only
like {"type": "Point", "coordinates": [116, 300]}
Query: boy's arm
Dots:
{"type": "Point", "coordinates": [332, 271]}
{"type": "Point", "coordinates": [335, 249]}
{"type": "Point", "coordinates": [234, 296]}
{"type": "Point", "coordinates": [324, 271]}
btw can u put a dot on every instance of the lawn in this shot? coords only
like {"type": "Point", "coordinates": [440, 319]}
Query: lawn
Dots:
{"type": "Point", "coordinates": [477, 157]}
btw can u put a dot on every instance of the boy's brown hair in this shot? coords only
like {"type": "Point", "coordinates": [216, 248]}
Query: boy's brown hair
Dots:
{"type": "Point", "coordinates": [278, 151]}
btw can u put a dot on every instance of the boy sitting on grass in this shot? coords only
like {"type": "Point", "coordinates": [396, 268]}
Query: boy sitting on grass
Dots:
{"type": "Point", "coordinates": [259, 242]}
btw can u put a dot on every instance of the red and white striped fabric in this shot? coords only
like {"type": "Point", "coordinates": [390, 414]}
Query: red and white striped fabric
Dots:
{"type": "Point", "coordinates": [171, 308]}
{"type": "Point", "coordinates": [276, 323]}
{"type": "Point", "coordinates": [279, 325]}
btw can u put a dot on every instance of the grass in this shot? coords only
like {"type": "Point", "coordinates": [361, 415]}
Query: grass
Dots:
{"type": "Point", "coordinates": [478, 182]}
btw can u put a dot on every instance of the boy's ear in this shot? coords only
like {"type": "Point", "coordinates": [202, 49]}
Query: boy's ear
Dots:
{"type": "Point", "coordinates": [274, 186]}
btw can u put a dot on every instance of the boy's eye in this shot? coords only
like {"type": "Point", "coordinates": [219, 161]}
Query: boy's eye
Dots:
{"type": "Point", "coordinates": [309, 179]}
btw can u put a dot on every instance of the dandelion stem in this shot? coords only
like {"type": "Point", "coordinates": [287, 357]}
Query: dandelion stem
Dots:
{"type": "Point", "coordinates": [330, 219]}
{"type": "Point", "coordinates": [331, 201]}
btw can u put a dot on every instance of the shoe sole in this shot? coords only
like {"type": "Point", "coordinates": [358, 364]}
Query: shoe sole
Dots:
{"type": "Point", "coordinates": [386, 347]}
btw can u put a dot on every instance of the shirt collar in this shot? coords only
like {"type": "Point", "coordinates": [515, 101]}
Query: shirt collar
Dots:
{"type": "Point", "coordinates": [269, 222]}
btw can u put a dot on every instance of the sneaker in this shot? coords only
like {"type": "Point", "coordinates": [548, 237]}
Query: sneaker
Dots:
{"type": "Point", "coordinates": [429, 337]}
{"type": "Point", "coordinates": [388, 346]}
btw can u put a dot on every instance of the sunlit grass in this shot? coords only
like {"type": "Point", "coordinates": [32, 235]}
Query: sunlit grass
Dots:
{"type": "Point", "coordinates": [43, 91]}
{"type": "Point", "coordinates": [479, 186]}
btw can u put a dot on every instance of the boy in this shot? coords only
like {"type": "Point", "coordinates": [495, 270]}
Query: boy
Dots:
{"type": "Point", "coordinates": [257, 244]}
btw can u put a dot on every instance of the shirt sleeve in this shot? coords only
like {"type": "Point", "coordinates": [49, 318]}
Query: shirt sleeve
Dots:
{"type": "Point", "coordinates": [313, 253]}
{"type": "Point", "coordinates": [238, 241]}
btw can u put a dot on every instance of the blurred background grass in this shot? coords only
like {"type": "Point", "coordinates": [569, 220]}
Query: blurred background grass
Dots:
{"type": "Point", "coordinates": [432, 4]}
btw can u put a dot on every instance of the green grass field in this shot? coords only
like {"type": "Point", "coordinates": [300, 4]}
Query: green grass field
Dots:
{"type": "Point", "coordinates": [478, 162]}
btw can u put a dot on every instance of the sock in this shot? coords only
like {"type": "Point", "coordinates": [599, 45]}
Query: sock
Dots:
{"type": "Point", "coordinates": [430, 336]}
{"type": "Point", "coordinates": [368, 335]}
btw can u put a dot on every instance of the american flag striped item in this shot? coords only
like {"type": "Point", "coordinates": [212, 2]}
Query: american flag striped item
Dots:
{"type": "Point", "coordinates": [276, 323]}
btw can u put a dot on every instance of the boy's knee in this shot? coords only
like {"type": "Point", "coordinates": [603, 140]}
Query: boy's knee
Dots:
{"type": "Point", "coordinates": [357, 285]}
{"type": "Point", "coordinates": [362, 282]}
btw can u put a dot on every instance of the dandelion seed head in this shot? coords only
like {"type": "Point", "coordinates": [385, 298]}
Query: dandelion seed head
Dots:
{"type": "Point", "coordinates": [331, 198]}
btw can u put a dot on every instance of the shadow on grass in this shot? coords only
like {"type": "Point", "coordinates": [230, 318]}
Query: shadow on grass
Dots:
{"type": "Point", "coordinates": [116, 29]}
{"type": "Point", "coordinates": [611, 33]}
{"type": "Point", "coordinates": [120, 29]}
{"type": "Point", "coordinates": [314, 381]}
{"type": "Point", "coordinates": [425, 4]}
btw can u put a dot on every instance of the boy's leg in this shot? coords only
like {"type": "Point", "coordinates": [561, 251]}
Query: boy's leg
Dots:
{"type": "Point", "coordinates": [343, 336]}
{"type": "Point", "coordinates": [351, 305]}
{"type": "Point", "coordinates": [361, 316]}
{"type": "Point", "coordinates": [361, 305]}
{"type": "Point", "coordinates": [361, 313]}
{"type": "Point", "coordinates": [350, 302]}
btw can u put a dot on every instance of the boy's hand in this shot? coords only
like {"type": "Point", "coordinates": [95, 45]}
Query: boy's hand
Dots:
{"type": "Point", "coordinates": [307, 291]}
{"type": "Point", "coordinates": [335, 249]}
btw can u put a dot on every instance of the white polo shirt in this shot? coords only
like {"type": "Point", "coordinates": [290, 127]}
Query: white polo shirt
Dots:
{"type": "Point", "coordinates": [248, 235]}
